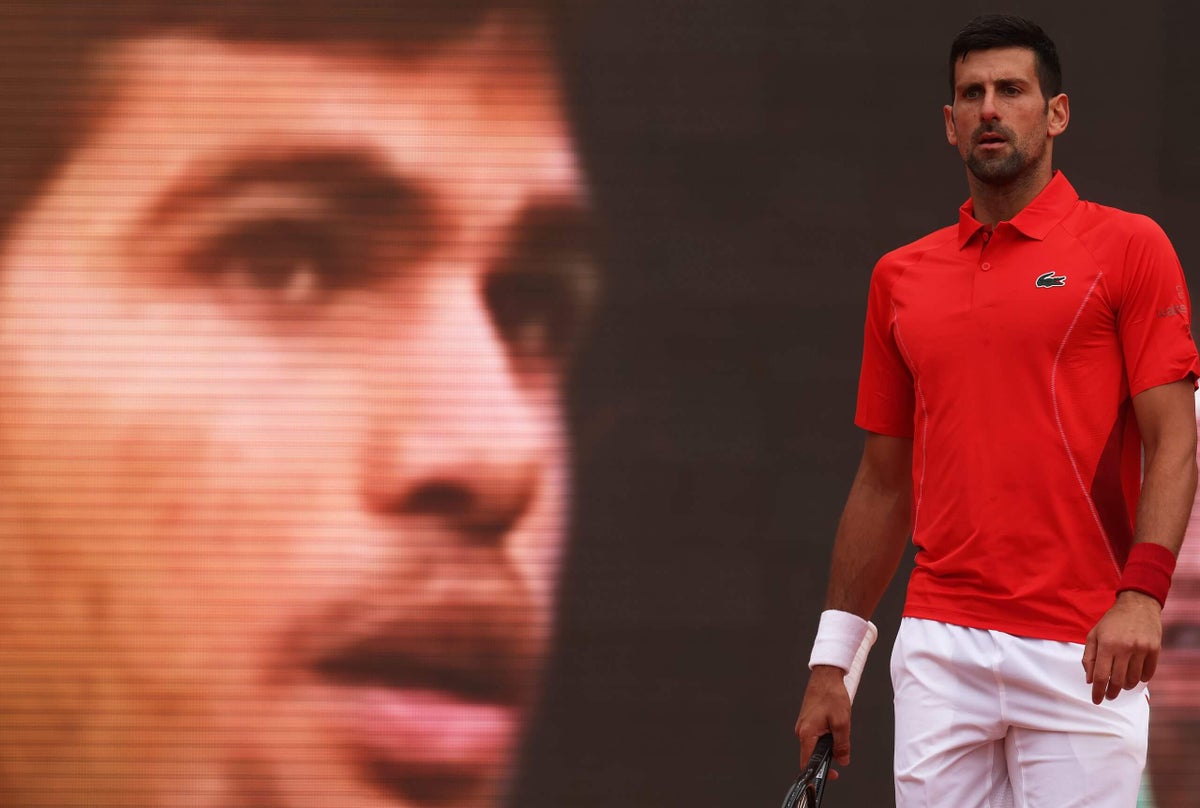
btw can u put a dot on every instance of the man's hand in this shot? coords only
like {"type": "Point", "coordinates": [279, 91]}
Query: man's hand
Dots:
{"type": "Point", "coordinates": [1122, 649]}
{"type": "Point", "coordinates": [826, 708]}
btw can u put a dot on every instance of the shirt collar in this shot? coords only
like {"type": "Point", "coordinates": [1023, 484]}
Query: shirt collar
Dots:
{"type": "Point", "coordinates": [1036, 220]}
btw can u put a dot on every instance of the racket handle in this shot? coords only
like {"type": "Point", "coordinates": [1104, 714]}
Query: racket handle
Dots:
{"type": "Point", "coordinates": [854, 674]}
{"type": "Point", "coordinates": [823, 748]}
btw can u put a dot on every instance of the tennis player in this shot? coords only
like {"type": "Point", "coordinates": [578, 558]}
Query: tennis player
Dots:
{"type": "Point", "coordinates": [1017, 367]}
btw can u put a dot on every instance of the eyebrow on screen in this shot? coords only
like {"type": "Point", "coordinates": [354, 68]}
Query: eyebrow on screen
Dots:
{"type": "Point", "coordinates": [356, 182]}
{"type": "Point", "coordinates": [360, 186]}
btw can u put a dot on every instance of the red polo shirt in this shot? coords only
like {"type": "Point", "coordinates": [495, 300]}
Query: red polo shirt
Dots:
{"type": "Point", "coordinates": [1011, 359]}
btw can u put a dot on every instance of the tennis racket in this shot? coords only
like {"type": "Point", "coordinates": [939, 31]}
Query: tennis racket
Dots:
{"type": "Point", "coordinates": [809, 787]}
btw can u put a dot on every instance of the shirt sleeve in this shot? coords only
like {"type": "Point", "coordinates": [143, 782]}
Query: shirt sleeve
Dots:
{"type": "Point", "coordinates": [1154, 316]}
{"type": "Point", "coordinates": [886, 398]}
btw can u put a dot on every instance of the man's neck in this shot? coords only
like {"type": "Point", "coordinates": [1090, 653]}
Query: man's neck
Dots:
{"type": "Point", "coordinates": [1000, 203]}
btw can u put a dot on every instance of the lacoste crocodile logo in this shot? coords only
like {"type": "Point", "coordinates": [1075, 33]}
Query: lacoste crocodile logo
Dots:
{"type": "Point", "coordinates": [1049, 280]}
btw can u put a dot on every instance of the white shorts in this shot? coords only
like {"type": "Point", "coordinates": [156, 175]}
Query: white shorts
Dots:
{"type": "Point", "coordinates": [988, 720]}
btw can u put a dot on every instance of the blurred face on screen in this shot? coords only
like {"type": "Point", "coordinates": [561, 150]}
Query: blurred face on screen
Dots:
{"type": "Point", "coordinates": [282, 475]}
{"type": "Point", "coordinates": [1175, 695]}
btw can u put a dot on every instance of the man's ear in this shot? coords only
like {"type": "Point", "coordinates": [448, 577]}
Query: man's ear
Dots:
{"type": "Point", "coordinates": [951, 135]}
{"type": "Point", "coordinates": [1058, 115]}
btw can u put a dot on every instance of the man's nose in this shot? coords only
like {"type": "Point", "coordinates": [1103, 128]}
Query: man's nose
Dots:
{"type": "Point", "coordinates": [457, 441]}
{"type": "Point", "coordinates": [988, 111]}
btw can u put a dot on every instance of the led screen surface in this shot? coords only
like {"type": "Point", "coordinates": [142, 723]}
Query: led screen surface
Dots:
{"type": "Point", "coordinates": [288, 305]}
{"type": "Point", "coordinates": [416, 403]}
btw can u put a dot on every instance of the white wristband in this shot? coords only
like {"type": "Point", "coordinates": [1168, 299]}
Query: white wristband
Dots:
{"type": "Point", "coordinates": [843, 641]}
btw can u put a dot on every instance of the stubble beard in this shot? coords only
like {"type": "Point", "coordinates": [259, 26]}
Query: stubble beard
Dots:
{"type": "Point", "coordinates": [998, 170]}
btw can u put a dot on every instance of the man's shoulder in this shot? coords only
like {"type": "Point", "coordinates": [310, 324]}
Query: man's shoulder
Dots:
{"type": "Point", "coordinates": [1120, 241]}
{"type": "Point", "coordinates": [902, 257]}
{"type": "Point", "coordinates": [1092, 219]}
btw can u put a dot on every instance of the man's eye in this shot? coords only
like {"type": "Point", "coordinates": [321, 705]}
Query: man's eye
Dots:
{"type": "Point", "coordinates": [293, 261]}
{"type": "Point", "coordinates": [538, 312]}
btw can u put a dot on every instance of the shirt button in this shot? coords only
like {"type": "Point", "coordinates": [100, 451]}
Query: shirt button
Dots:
{"type": "Point", "coordinates": [985, 266]}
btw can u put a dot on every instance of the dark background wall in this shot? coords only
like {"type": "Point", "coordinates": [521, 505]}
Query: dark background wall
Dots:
{"type": "Point", "coordinates": [752, 159]}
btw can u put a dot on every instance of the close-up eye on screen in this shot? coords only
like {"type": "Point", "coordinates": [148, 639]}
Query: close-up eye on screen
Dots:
{"type": "Point", "coordinates": [416, 404]}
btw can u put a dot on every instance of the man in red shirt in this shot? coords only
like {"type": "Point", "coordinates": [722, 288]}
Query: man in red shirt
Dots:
{"type": "Point", "coordinates": [1017, 368]}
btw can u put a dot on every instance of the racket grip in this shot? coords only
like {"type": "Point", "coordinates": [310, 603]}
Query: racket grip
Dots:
{"type": "Point", "coordinates": [855, 672]}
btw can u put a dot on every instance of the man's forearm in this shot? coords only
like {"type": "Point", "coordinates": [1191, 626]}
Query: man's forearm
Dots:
{"type": "Point", "coordinates": [874, 527]}
{"type": "Point", "coordinates": [1168, 490]}
{"type": "Point", "coordinates": [1166, 419]}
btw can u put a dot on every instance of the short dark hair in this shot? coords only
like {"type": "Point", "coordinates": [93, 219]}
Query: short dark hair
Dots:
{"type": "Point", "coordinates": [51, 95]}
{"type": "Point", "coordinates": [989, 31]}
